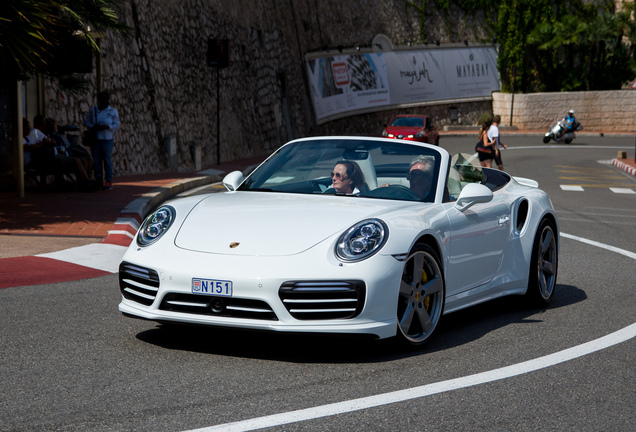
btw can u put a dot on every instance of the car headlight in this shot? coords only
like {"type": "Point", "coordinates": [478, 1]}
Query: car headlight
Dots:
{"type": "Point", "coordinates": [419, 135]}
{"type": "Point", "coordinates": [155, 225]}
{"type": "Point", "coordinates": [362, 240]}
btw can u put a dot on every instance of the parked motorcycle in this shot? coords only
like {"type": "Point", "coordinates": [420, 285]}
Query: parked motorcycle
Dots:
{"type": "Point", "coordinates": [555, 133]}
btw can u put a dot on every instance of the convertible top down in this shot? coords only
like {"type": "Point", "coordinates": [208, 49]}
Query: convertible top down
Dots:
{"type": "Point", "coordinates": [417, 234]}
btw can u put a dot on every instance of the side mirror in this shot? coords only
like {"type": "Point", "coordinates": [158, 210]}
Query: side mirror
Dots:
{"type": "Point", "coordinates": [473, 193]}
{"type": "Point", "coordinates": [233, 180]}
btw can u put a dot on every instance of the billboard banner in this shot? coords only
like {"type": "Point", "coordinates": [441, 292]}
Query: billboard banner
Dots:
{"type": "Point", "coordinates": [348, 84]}
{"type": "Point", "coordinates": [345, 83]}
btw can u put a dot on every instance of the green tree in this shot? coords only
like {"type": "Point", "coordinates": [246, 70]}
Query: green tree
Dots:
{"type": "Point", "coordinates": [516, 18]}
{"type": "Point", "coordinates": [34, 32]}
{"type": "Point", "coordinates": [547, 45]}
{"type": "Point", "coordinates": [592, 48]}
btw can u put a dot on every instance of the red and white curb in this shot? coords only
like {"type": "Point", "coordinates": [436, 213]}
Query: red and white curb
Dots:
{"type": "Point", "coordinates": [104, 256]}
{"type": "Point", "coordinates": [124, 229]}
{"type": "Point", "coordinates": [623, 166]}
{"type": "Point", "coordinates": [96, 259]}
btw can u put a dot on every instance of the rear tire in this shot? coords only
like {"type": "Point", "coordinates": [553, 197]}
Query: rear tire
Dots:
{"type": "Point", "coordinates": [568, 141]}
{"type": "Point", "coordinates": [421, 296]}
{"type": "Point", "coordinates": [543, 265]}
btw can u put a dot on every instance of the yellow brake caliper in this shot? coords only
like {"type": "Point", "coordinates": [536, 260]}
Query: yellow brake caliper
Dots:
{"type": "Point", "coordinates": [427, 299]}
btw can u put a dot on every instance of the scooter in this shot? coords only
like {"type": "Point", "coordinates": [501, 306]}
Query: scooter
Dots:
{"type": "Point", "coordinates": [555, 133]}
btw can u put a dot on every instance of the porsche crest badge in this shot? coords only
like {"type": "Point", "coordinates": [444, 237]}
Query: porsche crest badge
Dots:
{"type": "Point", "coordinates": [234, 244]}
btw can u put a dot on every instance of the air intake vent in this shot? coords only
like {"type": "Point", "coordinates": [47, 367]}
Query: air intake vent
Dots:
{"type": "Point", "coordinates": [323, 300]}
{"type": "Point", "coordinates": [138, 284]}
{"type": "Point", "coordinates": [522, 214]}
{"type": "Point", "coordinates": [217, 306]}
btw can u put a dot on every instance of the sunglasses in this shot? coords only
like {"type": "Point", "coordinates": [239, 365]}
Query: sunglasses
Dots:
{"type": "Point", "coordinates": [338, 176]}
{"type": "Point", "coordinates": [414, 173]}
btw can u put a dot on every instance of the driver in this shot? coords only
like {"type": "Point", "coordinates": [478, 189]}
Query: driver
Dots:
{"type": "Point", "coordinates": [568, 123]}
{"type": "Point", "coordinates": [347, 177]}
{"type": "Point", "coordinates": [420, 175]}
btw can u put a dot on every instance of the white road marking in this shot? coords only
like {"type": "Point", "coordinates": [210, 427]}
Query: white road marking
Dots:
{"type": "Point", "coordinates": [623, 191]}
{"type": "Point", "coordinates": [627, 253]}
{"type": "Point", "coordinates": [567, 147]}
{"type": "Point", "coordinates": [571, 188]}
{"type": "Point", "coordinates": [101, 256]}
{"type": "Point", "coordinates": [611, 339]}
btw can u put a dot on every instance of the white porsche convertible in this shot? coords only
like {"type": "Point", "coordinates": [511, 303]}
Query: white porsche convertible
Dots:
{"type": "Point", "coordinates": [348, 235]}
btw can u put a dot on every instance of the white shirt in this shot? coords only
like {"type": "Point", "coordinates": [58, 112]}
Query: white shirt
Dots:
{"type": "Point", "coordinates": [493, 134]}
{"type": "Point", "coordinates": [35, 136]}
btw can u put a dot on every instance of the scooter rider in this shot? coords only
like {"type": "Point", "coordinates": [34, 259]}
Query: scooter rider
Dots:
{"type": "Point", "coordinates": [568, 123]}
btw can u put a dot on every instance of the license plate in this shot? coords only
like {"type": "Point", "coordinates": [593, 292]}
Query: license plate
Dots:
{"type": "Point", "coordinates": [212, 287]}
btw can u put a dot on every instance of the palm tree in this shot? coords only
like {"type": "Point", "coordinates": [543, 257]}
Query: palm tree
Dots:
{"type": "Point", "coordinates": [33, 31]}
{"type": "Point", "coordinates": [34, 35]}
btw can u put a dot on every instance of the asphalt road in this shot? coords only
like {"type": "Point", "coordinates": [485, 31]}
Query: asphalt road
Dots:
{"type": "Point", "coordinates": [70, 362]}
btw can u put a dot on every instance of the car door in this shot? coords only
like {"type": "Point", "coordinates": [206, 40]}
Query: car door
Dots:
{"type": "Point", "coordinates": [478, 236]}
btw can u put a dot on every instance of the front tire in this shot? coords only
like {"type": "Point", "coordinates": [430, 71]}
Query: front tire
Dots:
{"type": "Point", "coordinates": [543, 265]}
{"type": "Point", "coordinates": [421, 296]}
{"type": "Point", "coordinates": [546, 139]}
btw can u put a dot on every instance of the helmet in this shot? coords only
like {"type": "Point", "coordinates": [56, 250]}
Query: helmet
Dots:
{"type": "Point", "coordinates": [571, 112]}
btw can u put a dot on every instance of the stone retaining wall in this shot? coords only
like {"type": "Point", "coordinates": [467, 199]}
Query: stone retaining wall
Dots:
{"type": "Point", "coordinates": [613, 111]}
{"type": "Point", "coordinates": [164, 91]}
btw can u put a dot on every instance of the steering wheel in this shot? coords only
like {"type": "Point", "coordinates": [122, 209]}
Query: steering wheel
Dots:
{"type": "Point", "coordinates": [404, 189]}
{"type": "Point", "coordinates": [395, 191]}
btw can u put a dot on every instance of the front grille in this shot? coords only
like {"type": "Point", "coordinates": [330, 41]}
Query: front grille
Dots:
{"type": "Point", "coordinates": [138, 284]}
{"type": "Point", "coordinates": [321, 300]}
{"type": "Point", "coordinates": [217, 306]}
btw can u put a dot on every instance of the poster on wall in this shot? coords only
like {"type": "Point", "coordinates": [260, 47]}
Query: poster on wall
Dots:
{"type": "Point", "coordinates": [347, 83]}
{"type": "Point", "coordinates": [353, 83]}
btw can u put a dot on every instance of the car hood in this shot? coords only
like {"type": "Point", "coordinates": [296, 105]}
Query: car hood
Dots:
{"type": "Point", "coordinates": [272, 224]}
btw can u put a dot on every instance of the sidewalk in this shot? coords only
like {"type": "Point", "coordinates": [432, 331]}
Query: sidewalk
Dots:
{"type": "Point", "coordinates": [50, 237]}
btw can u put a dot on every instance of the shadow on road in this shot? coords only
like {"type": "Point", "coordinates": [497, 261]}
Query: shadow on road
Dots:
{"type": "Point", "coordinates": [455, 329]}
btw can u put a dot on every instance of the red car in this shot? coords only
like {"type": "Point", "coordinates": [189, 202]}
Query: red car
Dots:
{"type": "Point", "coordinates": [412, 127]}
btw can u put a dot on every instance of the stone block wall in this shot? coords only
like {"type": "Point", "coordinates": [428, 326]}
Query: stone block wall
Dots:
{"type": "Point", "coordinates": [613, 110]}
{"type": "Point", "coordinates": [161, 86]}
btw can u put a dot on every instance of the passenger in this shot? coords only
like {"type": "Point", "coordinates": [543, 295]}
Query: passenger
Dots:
{"type": "Point", "coordinates": [347, 178]}
{"type": "Point", "coordinates": [420, 175]}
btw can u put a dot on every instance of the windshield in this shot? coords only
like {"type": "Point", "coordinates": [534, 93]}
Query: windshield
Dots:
{"type": "Point", "coordinates": [350, 167]}
{"type": "Point", "coordinates": [408, 121]}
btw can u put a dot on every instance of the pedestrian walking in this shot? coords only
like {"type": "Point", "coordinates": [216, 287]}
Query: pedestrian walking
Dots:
{"type": "Point", "coordinates": [105, 120]}
{"type": "Point", "coordinates": [494, 136]}
{"type": "Point", "coordinates": [484, 145]}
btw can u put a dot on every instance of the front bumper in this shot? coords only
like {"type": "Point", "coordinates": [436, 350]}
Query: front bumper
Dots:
{"type": "Point", "coordinates": [261, 291]}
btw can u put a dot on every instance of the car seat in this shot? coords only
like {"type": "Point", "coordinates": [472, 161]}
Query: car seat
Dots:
{"type": "Point", "coordinates": [368, 169]}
